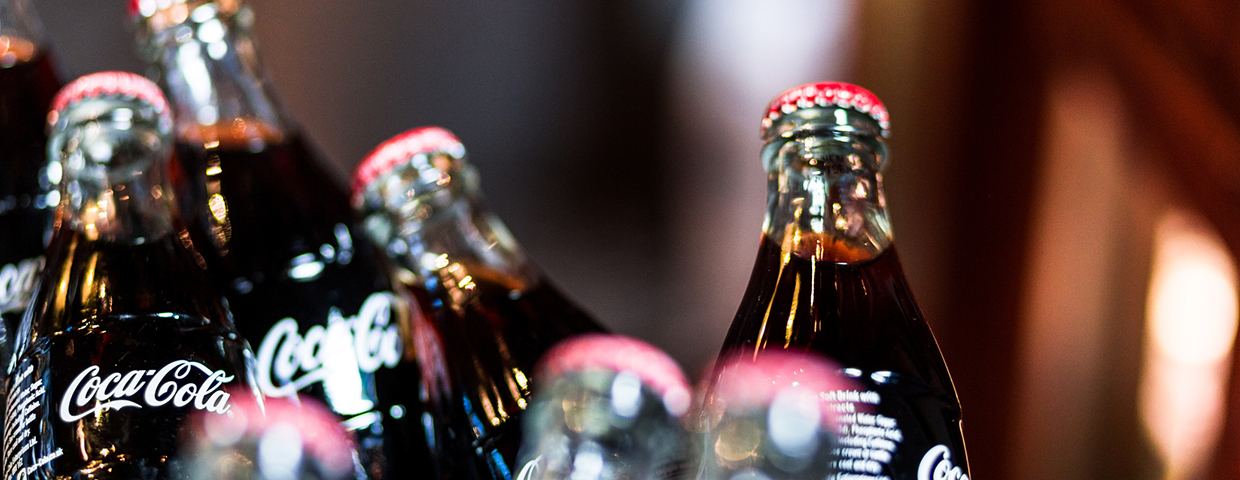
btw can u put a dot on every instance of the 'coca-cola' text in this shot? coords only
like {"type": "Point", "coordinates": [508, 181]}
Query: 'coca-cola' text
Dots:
{"type": "Point", "coordinates": [937, 465]}
{"type": "Point", "coordinates": [288, 361]}
{"type": "Point", "coordinates": [91, 392]}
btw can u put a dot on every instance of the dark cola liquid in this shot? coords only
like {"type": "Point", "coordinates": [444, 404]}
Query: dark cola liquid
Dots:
{"type": "Point", "coordinates": [488, 332]}
{"type": "Point", "coordinates": [125, 343]}
{"type": "Point", "coordinates": [306, 289]}
{"type": "Point", "coordinates": [863, 316]}
{"type": "Point", "coordinates": [26, 90]}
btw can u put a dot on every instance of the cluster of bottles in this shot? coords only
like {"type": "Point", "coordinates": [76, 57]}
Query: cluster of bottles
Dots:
{"type": "Point", "coordinates": [188, 292]}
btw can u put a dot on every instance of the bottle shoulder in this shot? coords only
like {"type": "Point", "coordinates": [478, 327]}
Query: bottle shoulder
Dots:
{"type": "Point", "coordinates": [851, 312]}
{"type": "Point", "coordinates": [88, 281]}
{"type": "Point", "coordinates": [266, 212]}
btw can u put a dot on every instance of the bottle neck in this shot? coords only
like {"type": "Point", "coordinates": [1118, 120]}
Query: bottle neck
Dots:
{"type": "Point", "coordinates": [825, 198]}
{"type": "Point", "coordinates": [435, 221]}
{"type": "Point", "coordinates": [599, 414]}
{"type": "Point", "coordinates": [111, 164]}
{"type": "Point", "coordinates": [21, 34]}
{"type": "Point", "coordinates": [214, 78]}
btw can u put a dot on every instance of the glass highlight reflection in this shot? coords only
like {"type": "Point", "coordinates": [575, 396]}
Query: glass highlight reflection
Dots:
{"type": "Point", "coordinates": [1191, 321]}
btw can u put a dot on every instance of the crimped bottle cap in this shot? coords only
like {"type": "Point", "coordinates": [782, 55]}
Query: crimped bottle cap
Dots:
{"type": "Point", "coordinates": [108, 83]}
{"type": "Point", "coordinates": [402, 148]}
{"type": "Point", "coordinates": [620, 354]}
{"type": "Point", "coordinates": [827, 94]}
{"type": "Point", "coordinates": [248, 421]}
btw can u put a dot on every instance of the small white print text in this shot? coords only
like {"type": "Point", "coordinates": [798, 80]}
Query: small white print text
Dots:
{"type": "Point", "coordinates": [365, 342]}
{"type": "Point", "coordinates": [937, 465]}
{"type": "Point", "coordinates": [155, 388]}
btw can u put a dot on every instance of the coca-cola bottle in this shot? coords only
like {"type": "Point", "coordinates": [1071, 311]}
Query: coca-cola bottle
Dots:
{"type": "Point", "coordinates": [828, 280]}
{"type": "Point", "coordinates": [495, 313]}
{"type": "Point", "coordinates": [606, 407]}
{"type": "Point", "coordinates": [765, 418]}
{"type": "Point", "coordinates": [125, 337]}
{"type": "Point", "coordinates": [28, 80]}
{"type": "Point", "coordinates": [309, 291]}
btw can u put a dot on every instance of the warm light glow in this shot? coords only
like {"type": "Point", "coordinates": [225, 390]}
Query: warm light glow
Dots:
{"type": "Point", "coordinates": [1192, 307]}
{"type": "Point", "coordinates": [1191, 320]}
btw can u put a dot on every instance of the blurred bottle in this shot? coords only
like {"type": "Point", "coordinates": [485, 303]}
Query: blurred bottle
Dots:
{"type": "Point", "coordinates": [606, 407]}
{"type": "Point", "coordinates": [765, 418]}
{"type": "Point", "coordinates": [495, 312]}
{"type": "Point", "coordinates": [275, 440]}
{"type": "Point", "coordinates": [310, 292]}
{"type": "Point", "coordinates": [828, 280]}
{"type": "Point", "coordinates": [126, 337]}
{"type": "Point", "coordinates": [28, 80]}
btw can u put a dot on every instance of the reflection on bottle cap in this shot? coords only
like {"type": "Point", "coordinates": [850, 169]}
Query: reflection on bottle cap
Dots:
{"type": "Point", "coordinates": [622, 355]}
{"type": "Point", "coordinates": [827, 94]}
{"type": "Point", "coordinates": [748, 382]}
{"type": "Point", "coordinates": [403, 148]}
{"type": "Point", "coordinates": [109, 83]}
{"type": "Point", "coordinates": [275, 439]}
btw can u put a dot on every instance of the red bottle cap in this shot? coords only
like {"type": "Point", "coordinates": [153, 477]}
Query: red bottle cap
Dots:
{"type": "Point", "coordinates": [755, 382]}
{"type": "Point", "coordinates": [828, 94]}
{"type": "Point", "coordinates": [620, 354]}
{"type": "Point", "coordinates": [247, 420]}
{"type": "Point", "coordinates": [400, 149]}
{"type": "Point", "coordinates": [108, 83]}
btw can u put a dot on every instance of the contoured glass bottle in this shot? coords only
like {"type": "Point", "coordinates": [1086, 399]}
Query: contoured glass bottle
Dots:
{"type": "Point", "coordinates": [126, 337]}
{"type": "Point", "coordinates": [28, 80]}
{"type": "Point", "coordinates": [494, 313]}
{"type": "Point", "coordinates": [308, 289]}
{"type": "Point", "coordinates": [828, 280]}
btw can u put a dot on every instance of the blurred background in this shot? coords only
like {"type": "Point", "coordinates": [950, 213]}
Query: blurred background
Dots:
{"type": "Point", "coordinates": [1064, 183]}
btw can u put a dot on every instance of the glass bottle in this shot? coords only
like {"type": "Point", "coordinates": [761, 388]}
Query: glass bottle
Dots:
{"type": "Point", "coordinates": [495, 313]}
{"type": "Point", "coordinates": [606, 407]}
{"type": "Point", "coordinates": [125, 338]}
{"type": "Point", "coordinates": [309, 291]}
{"type": "Point", "coordinates": [28, 80]}
{"type": "Point", "coordinates": [828, 279]}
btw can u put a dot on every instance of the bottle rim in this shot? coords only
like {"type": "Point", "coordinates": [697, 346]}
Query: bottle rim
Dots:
{"type": "Point", "coordinates": [827, 94]}
{"type": "Point", "coordinates": [400, 149]}
{"type": "Point", "coordinates": [98, 84]}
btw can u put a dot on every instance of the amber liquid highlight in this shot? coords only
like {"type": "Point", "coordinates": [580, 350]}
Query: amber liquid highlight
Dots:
{"type": "Point", "coordinates": [863, 316]}
{"type": "Point", "coordinates": [490, 330]}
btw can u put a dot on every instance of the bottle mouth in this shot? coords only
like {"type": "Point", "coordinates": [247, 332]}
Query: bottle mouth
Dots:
{"type": "Point", "coordinates": [618, 354]}
{"type": "Point", "coordinates": [90, 96]}
{"type": "Point", "coordinates": [204, 20]}
{"type": "Point", "coordinates": [423, 158]}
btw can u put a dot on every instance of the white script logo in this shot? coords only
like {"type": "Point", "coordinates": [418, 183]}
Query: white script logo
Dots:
{"type": "Point", "coordinates": [159, 387]}
{"type": "Point", "coordinates": [937, 465]}
{"type": "Point", "coordinates": [16, 281]}
{"type": "Point", "coordinates": [365, 342]}
{"type": "Point", "coordinates": [530, 470]}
